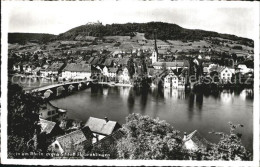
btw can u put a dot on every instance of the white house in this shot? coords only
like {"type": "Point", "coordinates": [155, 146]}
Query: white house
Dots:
{"type": "Point", "coordinates": [225, 74]}
{"type": "Point", "coordinates": [76, 71]}
{"type": "Point", "coordinates": [124, 76]}
{"type": "Point", "coordinates": [171, 81]}
{"type": "Point", "coordinates": [105, 71]}
{"type": "Point", "coordinates": [49, 112]}
{"type": "Point", "coordinates": [16, 67]}
{"type": "Point", "coordinates": [112, 72]}
{"type": "Point", "coordinates": [243, 69]}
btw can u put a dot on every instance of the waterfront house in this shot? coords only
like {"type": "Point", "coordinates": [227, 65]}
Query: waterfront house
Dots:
{"type": "Point", "coordinates": [16, 67]}
{"type": "Point", "coordinates": [49, 112]}
{"type": "Point", "coordinates": [181, 81]}
{"type": "Point", "coordinates": [171, 81]}
{"type": "Point", "coordinates": [55, 69]}
{"type": "Point", "coordinates": [225, 74]}
{"type": "Point", "coordinates": [36, 71]}
{"type": "Point", "coordinates": [194, 141]}
{"type": "Point", "coordinates": [76, 71]}
{"type": "Point", "coordinates": [27, 68]}
{"type": "Point", "coordinates": [74, 142]}
{"type": "Point", "coordinates": [124, 76]}
{"type": "Point", "coordinates": [243, 69]}
{"type": "Point", "coordinates": [105, 71]}
{"type": "Point", "coordinates": [43, 72]}
{"type": "Point", "coordinates": [51, 129]}
{"type": "Point", "coordinates": [101, 127]}
{"type": "Point", "coordinates": [112, 72]}
{"type": "Point", "coordinates": [178, 64]}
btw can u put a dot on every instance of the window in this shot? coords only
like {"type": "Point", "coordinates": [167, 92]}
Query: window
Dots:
{"type": "Point", "coordinates": [49, 112]}
{"type": "Point", "coordinates": [228, 74]}
{"type": "Point", "coordinates": [224, 74]}
{"type": "Point", "coordinates": [53, 112]}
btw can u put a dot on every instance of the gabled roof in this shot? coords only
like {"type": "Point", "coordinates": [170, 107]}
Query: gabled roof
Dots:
{"type": "Point", "coordinates": [75, 138]}
{"type": "Point", "coordinates": [90, 60]}
{"type": "Point", "coordinates": [77, 67]}
{"type": "Point", "coordinates": [55, 67]}
{"type": "Point", "coordinates": [95, 61]}
{"type": "Point", "coordinates": [101, 126]}
{"type": "Point", "coordinates": [108, 62]}
{"type": "Point", "coordinates": [113, 70]}
{"type": "Point", "coordinates": [46, 126]}
{"type": "Point", "coordinates": [205, 70]}
{"type": "Point", "coordinates": [178, 63]}
{"type": "Point", "coordinates": [107, 141]}
{"type": "Point", "coordinates": [123, 61]}
{"type": "Point", "coordinates": [195, 141]}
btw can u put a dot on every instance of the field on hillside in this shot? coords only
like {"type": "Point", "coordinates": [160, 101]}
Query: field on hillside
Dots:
{"type": "Point", "coordinates": [127, 43]}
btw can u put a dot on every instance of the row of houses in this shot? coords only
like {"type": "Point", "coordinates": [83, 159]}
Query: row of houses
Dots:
{"type": "Point", "coordinates": [101, 134]}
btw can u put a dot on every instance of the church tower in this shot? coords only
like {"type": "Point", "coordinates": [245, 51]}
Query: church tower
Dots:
{"type": "Point", "coordinates": [154, 56]}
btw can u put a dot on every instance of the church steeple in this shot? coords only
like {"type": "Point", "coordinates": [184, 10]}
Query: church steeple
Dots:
{"type": "Point", "coordinates": [155, 44]}
{"type": "Point", "coordinates": [154, 56]}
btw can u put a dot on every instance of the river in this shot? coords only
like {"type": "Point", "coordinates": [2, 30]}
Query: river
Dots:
{"type": "Point", "coordinates": [184, 111]}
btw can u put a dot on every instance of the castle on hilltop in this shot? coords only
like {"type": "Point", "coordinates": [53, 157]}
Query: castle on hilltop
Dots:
{"type": "Point", "coordinates": [94, 23]}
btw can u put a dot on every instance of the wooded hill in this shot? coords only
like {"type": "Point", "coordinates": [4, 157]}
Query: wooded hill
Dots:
{"type": "Point", "coordinates": [23, 38]}
{"type": "Point", "coordinates": [165, 31]}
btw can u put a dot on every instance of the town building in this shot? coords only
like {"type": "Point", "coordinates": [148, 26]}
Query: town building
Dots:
{"type": "Point", "coordinates": [49, 112]}
{"type": "Point", "coordinates": [76, 71]}
{"type": "Point", "coordinates": [101, 127]}
{"type": "Point", "coordinates": [243, 69]}
{"type": "Point", "coordinates": [74, 142]}
{"type": "Point", "coordinates": [177, 64]}
{"type": "Point", "coordinates": [123, 76]}
{"type": "Point", "coordinates": [54, 69]}
{"type": "Point", "coordinates": [171, 81]}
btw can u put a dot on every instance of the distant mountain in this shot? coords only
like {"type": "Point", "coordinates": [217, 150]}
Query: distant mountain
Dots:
{"type": "Point", "coordinates": [22, 38]}
{"type": "Point", "coordinates": [165, 31]}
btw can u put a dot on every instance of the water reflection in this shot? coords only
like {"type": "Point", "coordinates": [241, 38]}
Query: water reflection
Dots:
{"type": "Point", "coordinates": [185, 110]}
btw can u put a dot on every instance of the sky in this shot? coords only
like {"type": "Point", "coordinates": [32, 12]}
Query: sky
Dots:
{"type": "Point", "coordinates": [59, 17]}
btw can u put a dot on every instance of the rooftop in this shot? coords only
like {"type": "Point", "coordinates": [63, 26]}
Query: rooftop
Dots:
{"type": "Point", "coordinates": [47, 126]}
{"type": "Point", "coordinates": [75, 137]}
{"type": "Point", "coordinates": [77, 67]}
{"type": "Point", "coordinates": [101, 126]}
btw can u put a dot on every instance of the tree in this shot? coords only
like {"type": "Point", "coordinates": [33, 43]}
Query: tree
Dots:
{"type": "Point", "coordinates": [23, 120]}
{"type": "Point", "coordinates": [131, 67]}
{"type": "Point", "coordinates": [148, 138]}
{"type": "Point", "coordinates": [229, 147]}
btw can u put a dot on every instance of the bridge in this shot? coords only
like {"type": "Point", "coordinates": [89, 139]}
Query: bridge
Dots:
{"type": "Point", "coordinates": [61, 88]}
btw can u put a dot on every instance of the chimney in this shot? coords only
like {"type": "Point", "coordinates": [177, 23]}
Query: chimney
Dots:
{"type": "Point", "coordinates": [106, 119]}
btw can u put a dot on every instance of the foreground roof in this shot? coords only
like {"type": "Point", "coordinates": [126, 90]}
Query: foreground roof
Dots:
{"type": "Point", "coordinates": [75, 137]}
{"type": "Point", "coordinates": [101, 126]}
{"type": "Point", "coordinates": [46, 126]}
